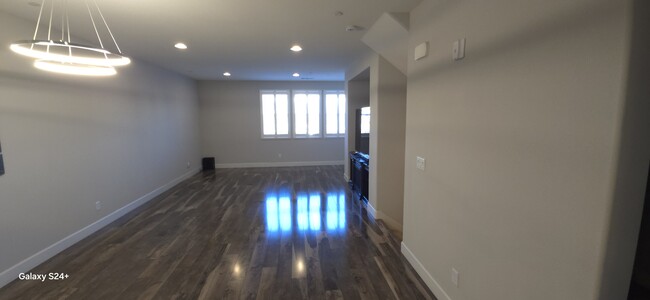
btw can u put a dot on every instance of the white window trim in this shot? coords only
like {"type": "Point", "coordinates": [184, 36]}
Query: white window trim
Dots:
{"type": "Point", "coordinates": [293, 115]}
{"type": "Point", "coordinates": [289, 115]}
{"type": "Point", "coordinates": [324, 114]}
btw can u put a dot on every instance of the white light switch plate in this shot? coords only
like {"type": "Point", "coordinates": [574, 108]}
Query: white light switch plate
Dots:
{"type": "Point", "coordinates": [420, 163]}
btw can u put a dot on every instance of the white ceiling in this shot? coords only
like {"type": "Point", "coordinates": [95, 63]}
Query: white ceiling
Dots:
{"type": "Point", "coordinates": [248, 38]}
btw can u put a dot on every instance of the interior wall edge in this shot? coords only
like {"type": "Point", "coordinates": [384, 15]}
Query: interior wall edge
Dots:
{"type": "Point", "coordinates": [632, 156]}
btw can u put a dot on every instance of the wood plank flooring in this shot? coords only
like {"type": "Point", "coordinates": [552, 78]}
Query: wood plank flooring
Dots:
{"type": "Point", "coordinates": [257, 233]}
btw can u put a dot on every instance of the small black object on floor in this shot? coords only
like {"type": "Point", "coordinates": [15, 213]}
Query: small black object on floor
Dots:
{"type": "Point", "coordinates": [208, 163]}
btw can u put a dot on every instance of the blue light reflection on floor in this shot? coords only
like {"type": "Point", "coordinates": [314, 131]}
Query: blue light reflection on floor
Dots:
{"type": "Point", "coordinates": [314, 212]}
{"type": "Point", "coordinates": [336, 211]}
{"type": "Point", "coordinates": [303, 212]}
{"type": "Point", "coordinates": [278, 212]}
{"type": "Point", "coordinates": [285, 213]}
{"type": "Point", "coordinates": [308, 213]}
{"type": "Point", "coordinates": [272, 221]}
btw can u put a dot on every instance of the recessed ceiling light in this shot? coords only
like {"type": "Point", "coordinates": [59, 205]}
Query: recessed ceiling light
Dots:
{"type": "Point", "coordinates": [34, 3]}
{"type": "Point", "coordinates": [180, 46]}
{"type": "Point", "coordinates": [227, 74]}
{"type": "Point", "coordinates": [296, 74]}
{"type": "Point", "coordinates": [296, 48]}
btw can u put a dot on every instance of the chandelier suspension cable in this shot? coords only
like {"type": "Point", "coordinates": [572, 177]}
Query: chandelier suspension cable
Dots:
{"type": "Point", "coordinates": [101, 44]}
{"type": "Point", "coordinates": [92, 19]}
{"type": "Point", "coordinates": [67, 20]}
{"type": "Point", "coordinates": [107, 28]}
{"type": "Point", "coordinates": [49, 30]}
{"type": "Point", "coordinates": [38, 23]}
{"type": "Point", "coordinates": [63, 25]}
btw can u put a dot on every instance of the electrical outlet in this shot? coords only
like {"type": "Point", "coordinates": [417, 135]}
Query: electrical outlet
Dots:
{"type": "Point", "coordinates": [98, 205]}
{"type": "Point", "coordinates": [279, 155]}
{"type": "Point", "coordinates": [454, 276]}
{"type": "Point", "coordinates": [420, 163]}
{"type": "Point", "coordinates": [188, 164]}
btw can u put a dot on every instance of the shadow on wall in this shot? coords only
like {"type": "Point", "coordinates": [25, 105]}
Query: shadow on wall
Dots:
{"type": "Point", "coordinates": [633, 159]}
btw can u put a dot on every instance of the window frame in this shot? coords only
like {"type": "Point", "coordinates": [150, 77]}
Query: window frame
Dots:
{"type": "Point", "coordinates": [338, 93]}
{"type": "Point", "coordinates": [275, 115]}
{"type": "Point", "coordinates": [320, 115]}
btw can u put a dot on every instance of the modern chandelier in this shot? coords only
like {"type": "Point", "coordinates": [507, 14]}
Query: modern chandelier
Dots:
{"type": "Point", "coordinates": [64, 56]}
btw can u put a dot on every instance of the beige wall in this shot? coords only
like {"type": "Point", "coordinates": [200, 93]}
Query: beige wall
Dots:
{"type": "Point", "coordinates": [387, 135]}
{"type": "Point", "coordinates": [522, 141]}
{"type": "Point", "coordinates": [387, 99]}
{"type": "Point", "coordinates": [69, 142]}
{"type": "Point", "coordinates": [231, 130]}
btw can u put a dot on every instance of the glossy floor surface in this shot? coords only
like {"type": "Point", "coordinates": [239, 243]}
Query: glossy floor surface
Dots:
{"type": "Point", "coordinates": [259, 233]}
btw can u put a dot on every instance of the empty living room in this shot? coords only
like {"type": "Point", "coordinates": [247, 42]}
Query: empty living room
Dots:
{"type": "Point", "coordinates": [325, 149]}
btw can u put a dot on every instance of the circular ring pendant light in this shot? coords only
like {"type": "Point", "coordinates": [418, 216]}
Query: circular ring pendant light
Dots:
{"type": "Point", "coordinates": [74, 69]}
{"type": "Point", "coordinates": [66, 57]}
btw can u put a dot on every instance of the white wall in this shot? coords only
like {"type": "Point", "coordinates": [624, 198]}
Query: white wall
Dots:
{"type": "Point", "coordinates": [69, 142]}
{"type": "Point", "coordinates": [231, 126]}
{"type": "Point", "coordinates": [522, 141]}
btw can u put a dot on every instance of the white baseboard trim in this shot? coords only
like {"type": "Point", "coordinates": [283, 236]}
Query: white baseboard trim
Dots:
{"type": "Point", "coordinates": [433, 285]}
{"type": "Point", "coordinates": [33, 261]}
{"type": "Point", "coordinates": [392, 224]}
{"type": "Point", "coordinates": [278, 164]}
{"type": "Point", "coordinates": [379, 215]}
{"type": "Point", "coordinates": [371, 210]}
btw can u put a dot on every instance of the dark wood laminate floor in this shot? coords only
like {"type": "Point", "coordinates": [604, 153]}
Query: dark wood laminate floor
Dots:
{"type": "Point", "coordinates": [259, 233]}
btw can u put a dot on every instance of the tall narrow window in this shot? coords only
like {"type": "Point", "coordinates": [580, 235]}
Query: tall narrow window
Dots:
{"type": "Point", "coordinates": [334, 113]}
{"type": "Point", "coordinates": [275, 114]}
{"type": "Point", "coordinates": [306, 114]}
{"type": "Point", "coordinates": [365, 120]}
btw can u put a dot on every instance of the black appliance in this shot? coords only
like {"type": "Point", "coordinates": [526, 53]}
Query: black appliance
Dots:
{"type": "Point", "coordinates": [359, 165]}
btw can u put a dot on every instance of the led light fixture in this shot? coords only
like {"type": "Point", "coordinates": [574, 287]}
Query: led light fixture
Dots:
{"type": "Point", "coordinates": [62, 55]}
{"type": "Point", "coordinates": [74, 69]}
{"type": "Point", "coordinates": [60, 51]}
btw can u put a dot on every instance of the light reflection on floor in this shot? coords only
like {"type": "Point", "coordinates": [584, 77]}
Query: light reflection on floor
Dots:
{"type": "Point", "coordinates": [305, 212]}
